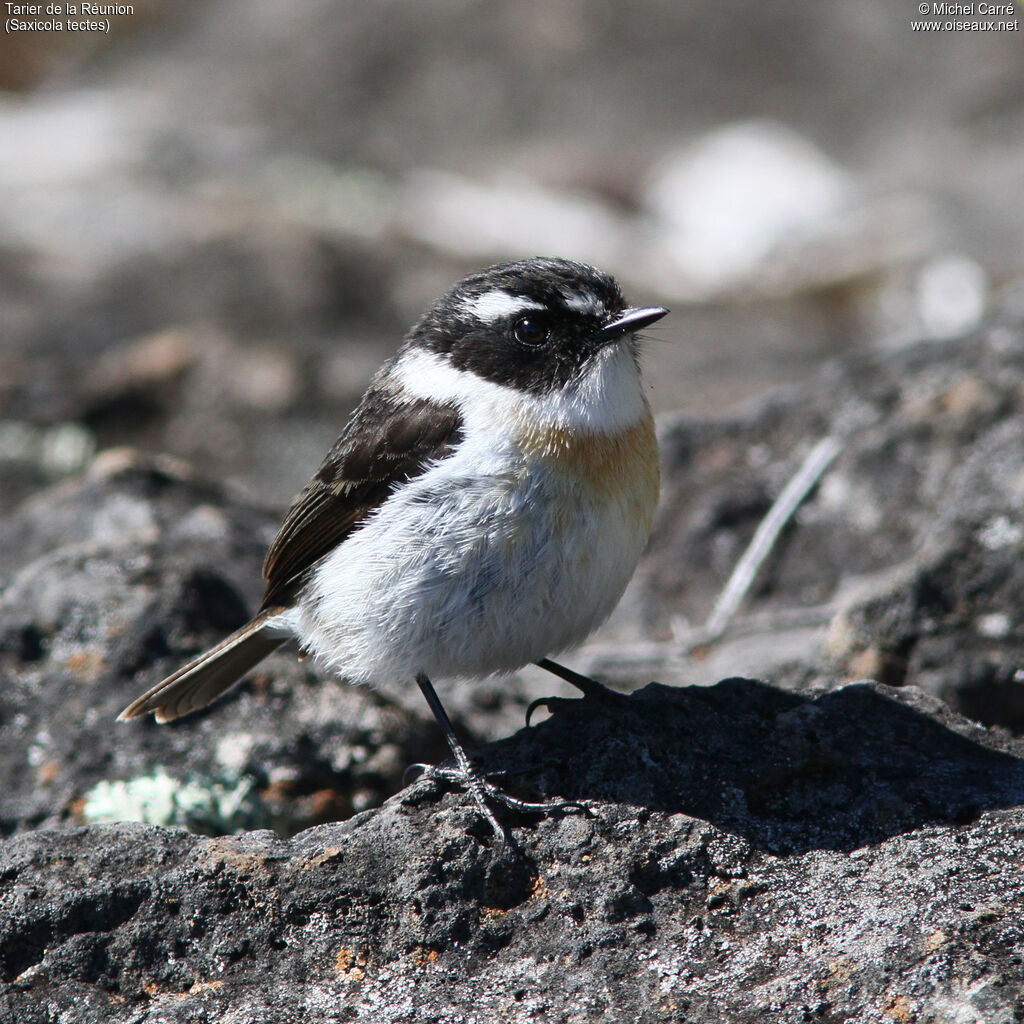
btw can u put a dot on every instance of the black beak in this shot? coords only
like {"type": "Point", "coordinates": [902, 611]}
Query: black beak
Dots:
{"type": "Point", "coordinates": [629, 321]}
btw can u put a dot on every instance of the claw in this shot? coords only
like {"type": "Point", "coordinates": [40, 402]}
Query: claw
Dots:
{"type": "Point", "coordinates": [486, 792]}
{"type": "Point", "coordinates": [416, 771]}
{"type": "Point", "coordinates": [592, 690]}
{"type": "Point", "coordinates": [540, 702]}
{"type": "Point", "coordinates": [553, 705]}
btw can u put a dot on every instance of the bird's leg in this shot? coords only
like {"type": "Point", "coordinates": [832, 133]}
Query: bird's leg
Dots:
{"type": "Point", "coordinates": [590, 688]}
{"type": "Point", "coordinates": [481, 790]}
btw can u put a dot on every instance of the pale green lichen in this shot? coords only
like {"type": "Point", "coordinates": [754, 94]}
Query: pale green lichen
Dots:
{"type": "Point", "coordinates": [207, 806]}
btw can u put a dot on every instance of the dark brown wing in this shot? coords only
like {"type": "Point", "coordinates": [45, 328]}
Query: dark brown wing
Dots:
{"type": "Point", "coordinates": [385, 443]}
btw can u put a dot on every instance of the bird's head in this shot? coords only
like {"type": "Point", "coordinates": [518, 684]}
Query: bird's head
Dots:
{"type": "Point", "coordinates": [537, 325]}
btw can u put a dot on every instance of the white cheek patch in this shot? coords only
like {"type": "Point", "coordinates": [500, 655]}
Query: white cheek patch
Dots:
{"type": "Point", "coordinates": [426, 375]}
{"type": "Point", "coordinates": [607, 398]}
{"type": "Point", "coordinates": [497, 305]}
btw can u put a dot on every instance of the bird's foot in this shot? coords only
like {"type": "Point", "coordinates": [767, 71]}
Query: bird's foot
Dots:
{"type": "Point", "coordinates": [486, 794]}
{"type": "Point", "coordinates": [594, 693]}
{"type": "Point", "coordinates": [464, 775]}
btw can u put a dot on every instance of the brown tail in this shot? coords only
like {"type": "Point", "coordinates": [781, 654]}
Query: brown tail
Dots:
{"type": "Point", "coordinates": [200, 681]}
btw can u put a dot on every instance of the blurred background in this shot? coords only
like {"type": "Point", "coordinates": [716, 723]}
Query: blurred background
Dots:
{"type": "Point", "coordinates": [217, 219]}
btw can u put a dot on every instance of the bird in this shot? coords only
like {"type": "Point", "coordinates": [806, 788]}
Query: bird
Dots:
{"type": "Point", "coordinates": [483, 509]}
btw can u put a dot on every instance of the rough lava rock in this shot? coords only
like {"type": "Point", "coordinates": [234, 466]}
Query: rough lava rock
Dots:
{"type": "Point", "coordinates": [742, 854]}
{"type": "Point", "coordinates": [797, 850]}
{"type": "Point", "coordinates": [906, 564]}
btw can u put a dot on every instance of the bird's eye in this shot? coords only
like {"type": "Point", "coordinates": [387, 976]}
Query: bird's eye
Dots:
{"type": "Point", "coordinates": [531, 330]}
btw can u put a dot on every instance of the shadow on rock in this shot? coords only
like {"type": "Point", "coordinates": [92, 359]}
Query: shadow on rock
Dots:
{"type": "Point", "coordinates": [786, 772]}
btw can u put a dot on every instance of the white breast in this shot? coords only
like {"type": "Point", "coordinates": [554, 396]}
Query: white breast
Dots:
{"type": "Point", "coordinates": [496, 556]}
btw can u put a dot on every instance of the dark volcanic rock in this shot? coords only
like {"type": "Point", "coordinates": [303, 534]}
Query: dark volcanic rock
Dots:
{"type": "Point", "coordinates": [906, 564]}
{"type": "Point", "coordinates": [745, 855]}
{"type": "Point", "coordinates": [931, 441]}
{"type": "Point", "coordinates": [144, 566]}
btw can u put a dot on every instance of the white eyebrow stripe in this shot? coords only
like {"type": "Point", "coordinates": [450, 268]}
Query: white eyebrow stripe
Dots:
{"type": "Point", "coordinates": [583, 302]}
{"type": "Point", "coordinates": [495, 305]}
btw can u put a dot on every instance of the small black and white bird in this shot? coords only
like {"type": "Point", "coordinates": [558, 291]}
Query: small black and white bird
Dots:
{"type": "Point", "coordinates": [484, 508]}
